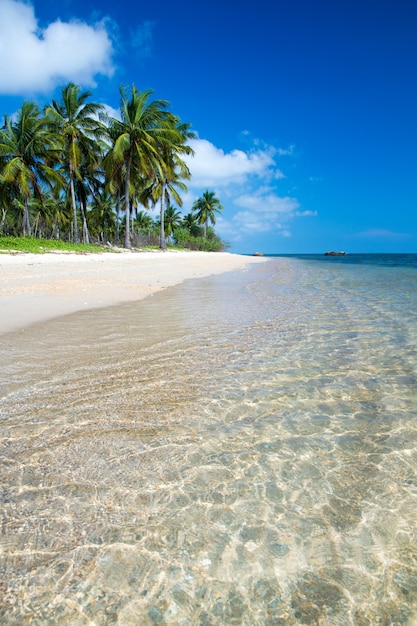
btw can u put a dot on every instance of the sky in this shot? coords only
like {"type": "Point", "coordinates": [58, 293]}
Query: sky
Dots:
{"type": "Point", "coordinates": [305, 112]}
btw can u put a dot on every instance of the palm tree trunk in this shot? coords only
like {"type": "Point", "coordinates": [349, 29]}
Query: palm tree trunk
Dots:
{"type": "Point", "coordinates": [118, 217]}
{"type": "Point", "coordinates": [127, 203]}
{"type": "Point", "coordinates": [26, 218]}
{"type": "Point", "coordinates": [86, 234]}
{"type": "Point", "coordinates": [36, 226]}
{"type": "Point", "coordinates": [74, 210]}
{"type": "Point", "coordinates": [3, 219]}
{"type": "Point", "coordinates": [162, 242]}
{"type": "Point", "coordinates": [55, 230]}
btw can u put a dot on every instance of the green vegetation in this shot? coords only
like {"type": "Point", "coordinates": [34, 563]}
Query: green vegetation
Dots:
{"type": "Point", "coordinates": [206, 208]}
{"type": "Point", "coordinates": [40, 246]}
{"type": "Point", "coordinates": [73, 174]}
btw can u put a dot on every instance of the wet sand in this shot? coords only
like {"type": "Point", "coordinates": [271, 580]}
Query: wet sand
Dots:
{"type": "Point", "coordinates": [35, 288]}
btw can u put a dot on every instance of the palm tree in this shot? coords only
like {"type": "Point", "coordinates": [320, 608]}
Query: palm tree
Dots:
{"type": "Point", "coordinates": [101, 217]}
{"type": "Point", "coordinates": [189, 221]}
{"type": "Point", "coordinates": [89, 184]}
{"type": "Point", "coordinates": [114, 172]}
{"type": "Point", "coordinates": [205, 209]}
{"type": "Point", "coordinates": [59, 213]}
{"type": "Point", "coordinates": [137, 139]}
{"type": "Point", "coordinates": [172, 219]}
{"type": "Point", "coordinates": [76, 121]}
{"type": "Point", "coordinates": [174, 170]}
{"type": "Point", "coordinates": [7, 196]}
{"type": "Point", "coordinates": [143, 220]}
{"type": "Point", "coordinates": [161, 188]}
{"type": "Point", "coordinates": [27, 152]}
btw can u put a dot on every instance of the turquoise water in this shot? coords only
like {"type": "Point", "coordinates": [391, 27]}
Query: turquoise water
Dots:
{"type": "Point", "coordinates": [241, 449]}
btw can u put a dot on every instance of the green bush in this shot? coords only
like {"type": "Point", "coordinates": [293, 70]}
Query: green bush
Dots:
{"type": "Point", "coordinates": [41, 246]}
{"type": "Point", "coordinates": [212, 243]}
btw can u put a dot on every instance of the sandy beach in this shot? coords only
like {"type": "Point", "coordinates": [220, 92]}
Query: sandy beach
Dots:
{"type": "Point", "coordinates": [36, 288]}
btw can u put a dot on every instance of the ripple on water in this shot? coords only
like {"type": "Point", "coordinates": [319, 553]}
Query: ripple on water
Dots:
{"type": "Point", "coordinates": [254, 466]}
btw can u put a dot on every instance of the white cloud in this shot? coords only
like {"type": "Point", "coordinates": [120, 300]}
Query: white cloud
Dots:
{"type": "Point", "coordinates": [35, 60]}
{"type": "Point", "coordinates": [111, 112]}
{"type": "Point", "coordinates": [306, 213]}
{"type": "Point", "coordinates": [245, 223]}
{"type": "Point", "coordinates": [265, 212]}
{"type": "Point", "coordinates": [249, 222]}
{"type": "Point", "coordinates": [246, 183]}
{"type": "Point", "coordinates": [286, 151]}
{"type": "Point", "coordinates": [267, 202]}
{"type": "Point", "coordinates": [211, 166]}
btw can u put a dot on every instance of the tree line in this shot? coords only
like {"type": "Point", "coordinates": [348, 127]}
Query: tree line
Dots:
{"type": "Point", "coordinates": [73, 172]}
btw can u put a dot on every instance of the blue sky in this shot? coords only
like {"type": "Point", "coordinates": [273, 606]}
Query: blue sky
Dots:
{"type": "Point", "coordinates": [305, 111]}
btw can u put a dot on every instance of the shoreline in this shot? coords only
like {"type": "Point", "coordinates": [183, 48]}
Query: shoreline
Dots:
{"type": "Point", "coordinates": [38, 287]}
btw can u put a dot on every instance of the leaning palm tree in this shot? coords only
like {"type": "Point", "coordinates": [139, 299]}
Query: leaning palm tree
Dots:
{"type": "Point", "coordinates": [162, 188]}
{"type": "Point", "coordinates": [136, 141]}
{"type": "Point", "coordinates": [205, 209]}
{"type": "Point", "coordinates": [28, 153]}
{"type": "Point", "coordinates": [170, 177]}
{"type": "Point", "coordinates": [76, 121]}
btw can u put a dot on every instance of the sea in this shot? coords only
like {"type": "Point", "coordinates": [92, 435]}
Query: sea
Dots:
{"type": "Point", "coordinates": [236, 450]}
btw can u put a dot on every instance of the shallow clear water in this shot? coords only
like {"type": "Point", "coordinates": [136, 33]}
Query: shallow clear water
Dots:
{"type": "Point", "coordinates": [238, 450]}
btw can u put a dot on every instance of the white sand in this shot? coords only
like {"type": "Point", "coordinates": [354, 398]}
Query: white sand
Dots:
{"type": "Point", "coordinates": [36, 287]}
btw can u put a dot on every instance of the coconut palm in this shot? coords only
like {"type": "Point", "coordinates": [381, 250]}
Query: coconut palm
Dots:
{"type": "Point", "coordinates": [205, 209]}
{"type": "Point", "coordinates": [172, 219]}
{"type": "Point", "coordinates": [162, 188]}
{"type": "Point", "coordinates": [76, 122]}
{"type": "Point", "coordinates": [114, 172]}
{"type": "Point", "coordinates": [189, 221]}
{"type": "Point", "coordinates": [7, 197]}
{"type": "Point", "coordinates": [58, 209]}
{"type": "Point", "coordinates": [27, 152]}
{"type": "Point", "coordinates": [101, 217]}
{"type": "Point", "coordinates": [137, 139]}
{"type": "Point", "coordinates": [170, 177]}
{"type": "Point", "coordinates": [88, 184]}
{"type": "Point", "coordinates": [143, 220]}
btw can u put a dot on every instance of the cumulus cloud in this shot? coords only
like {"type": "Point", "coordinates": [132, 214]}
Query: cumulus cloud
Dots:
{"type": "Point", "coordinates": [244, 223]}
{"type": "Point", "coordinates": [112, 112]}
{"type": "Point", "coordinates": [211, 166]}
{"type": "Point", "coordinates": [265, 212]}
{"type": "Point", "coordinates": [248, 222]}
{"type": "Point", "coordinates": [35, 60]}
{"type": "Point", "coordinates": [247, 184]}
{"type": "Point", "coordinates": [263, 201]}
